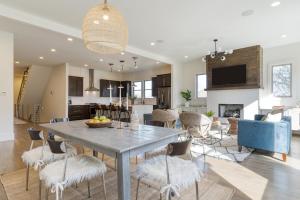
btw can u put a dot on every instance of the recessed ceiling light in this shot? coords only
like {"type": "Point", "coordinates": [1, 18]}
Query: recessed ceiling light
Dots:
{"type": "Point", "coordinates": [53, 50]}
{"type": "Point", "coordinates": [283, 36]}
{"type": "Point", "coordinates": [157, 62]}
{"type": "Point", "coordinates": [186, 57]}
{"type": "Point", "coordinates": [247, 13]}
{"type": "Point", "coordinates": [101, 60]}
{"type": "Point", "coordinates": [41, 58]}
{"type": "Point", "coordinates": [96, 22]}
{"type": "Point", "coordinates": [122, 53]}
{"type": "Point", "coordinates": [86, 65]}
{"type": "Point", "coordinates": [119, 70]}
{"type": "Point", "coordinates": [70, 39]}
{"type": "Point", "coordinates": [275, 3]}
{"type": "Point", "coordinates": [17, 62]}
{"type": "Point", "coordinates": [152, 43]}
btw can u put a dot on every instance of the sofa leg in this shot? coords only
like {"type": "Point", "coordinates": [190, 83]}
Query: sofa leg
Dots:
{"type": "Point", "coordinates": [283, 157]}
{"type": "Point", "coordinates": [240, 148]}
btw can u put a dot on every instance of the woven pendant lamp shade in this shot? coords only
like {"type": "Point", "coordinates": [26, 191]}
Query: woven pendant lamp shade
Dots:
{"type": "Point", "coordinates": [104, 30]}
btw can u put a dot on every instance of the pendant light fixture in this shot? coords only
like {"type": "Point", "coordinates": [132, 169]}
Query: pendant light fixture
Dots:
{"type": "Point", "coordinates": [104, 30]}
{"type": "Point", "coordinates": [218, 53]}
{"type": "Point", "coordinates": [122, 65]}
{"type": "Point", "coordinates": [135, 62]}
{"type": "Point", "coordinates": [111, 66]}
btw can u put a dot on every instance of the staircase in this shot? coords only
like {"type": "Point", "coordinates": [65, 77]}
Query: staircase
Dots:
{"type": "Point", "coordinates": [19, 107]}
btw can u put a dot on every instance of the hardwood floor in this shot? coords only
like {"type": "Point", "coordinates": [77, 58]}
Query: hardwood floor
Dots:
{"type": "Point", "coordinates": [258, 177]}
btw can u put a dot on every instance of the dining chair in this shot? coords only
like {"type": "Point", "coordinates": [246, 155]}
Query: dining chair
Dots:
{"type": "Point", "coordinates": [170, 173]}
{"type": "Point", "coordinates": [167, 117]}
{"type": "Point", "coordinates": [61, 174]}
{"type": "Point", "coordinates": [197, 125]}
{"type": "Point", "coordinates": [40, 156]}
{"type": "Point", "coordinates": [57, 120]}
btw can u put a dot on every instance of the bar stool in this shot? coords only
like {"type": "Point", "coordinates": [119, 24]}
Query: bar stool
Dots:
{"type": "Point", "coordinates": [126, 114]}
{"type": "Point", "coordinates": [42, 155]}
{"type": "Point", "coordinates": [114, 112]}
{"type": "Point", "coordinates": [72, 170]}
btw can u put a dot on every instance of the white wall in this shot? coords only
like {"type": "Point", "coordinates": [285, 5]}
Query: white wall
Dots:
{"type": "Point", "coordinates": [146, 74]}
{"type": "Point", "coordinates": [281, 55]}
{"type": "Point", "coordinates": [90, 97]}
{"type": "Point", "coordinates": [55, 96]}
{"type": "Point", "coordinates": [6, 86]}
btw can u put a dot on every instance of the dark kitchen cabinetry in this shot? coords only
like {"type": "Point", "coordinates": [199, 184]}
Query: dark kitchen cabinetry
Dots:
{"type": "Point", "coordinates": [104, 85]}
{"type": "Point", "coordinates": [160, 81]}
{"type": "Point", "coordinates": [79, 112]}
{"type": "Point", "coordinates": [154, 86]}
{"type": "Point", "coordinates": [75, 86]}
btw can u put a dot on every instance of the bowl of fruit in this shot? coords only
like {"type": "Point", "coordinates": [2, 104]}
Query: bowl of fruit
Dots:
{"type": "Point", "coordinates": [98, 122]}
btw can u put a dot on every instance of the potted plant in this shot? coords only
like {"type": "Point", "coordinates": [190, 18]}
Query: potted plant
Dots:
{"type": "Point", "coordinates": [210, 114]}
{"type": "Point", "coordinates": [187, 95]}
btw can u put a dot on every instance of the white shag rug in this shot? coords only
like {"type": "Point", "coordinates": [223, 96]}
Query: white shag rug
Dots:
{"type": "Point", "coordinates": [226, 149]}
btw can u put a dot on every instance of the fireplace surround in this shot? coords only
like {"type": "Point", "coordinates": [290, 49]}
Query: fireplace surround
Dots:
{"type": "Point", "coordinates": [231, 110]}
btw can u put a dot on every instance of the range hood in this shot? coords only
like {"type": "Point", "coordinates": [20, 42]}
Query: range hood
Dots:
{"type": "Point", "coordinates": [91, 87]}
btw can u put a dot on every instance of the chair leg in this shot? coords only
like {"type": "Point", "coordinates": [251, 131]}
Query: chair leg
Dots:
{"type": "Point", "coordinates": [102, 157]}
{"type": "Point", "coordinates": [46, 193]}
{"type": "Point", "coordinates": [283, 157]}
{"type": "Point", "coordinates": [89, 189]}
{"type": "Point", "coordinates": [240, 148]}
{"type": "Point", "coordinates": [197, 190]}
{"type": "Point", "coordinates": [104, 187]}
{"type": "Point", "coordinates": [40, 190]}
{"type": "Point", "coordinates": [137, 189]}
{"type": "Point", "coordinates": [27, 177]}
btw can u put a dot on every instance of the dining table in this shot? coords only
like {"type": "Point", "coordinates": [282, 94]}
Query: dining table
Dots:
{"type": "Point", "coordinates": [120, 143]}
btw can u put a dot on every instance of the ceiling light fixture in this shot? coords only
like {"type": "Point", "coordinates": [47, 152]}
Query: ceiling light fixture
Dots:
{"type": "Point", "coordinates": [86, 65]}
{"type": "Point", "coordinates": [275, 4]}
{"type": "Point", "coordinates": [111, 66]}
{"type": "Point", "coordinates": [135, 62]}
{"type": "Point", "coordinates": [107, 34]}
{"type": "Point", "coordinates": [53, 50]}
{"type": "Point", "coordinates": [122, 53]}
{"type": "Point", "coordinates": [218, 53]}
{"type": "Point", "coordinates": [152, 43]}
{"type": "Point", "coordinates": [101, 60]}
{"type": "Point", "coordinates": [17, 62]}
{"type": "Point", "coordinates": [186, 57]}
{"type": "Point", "coordinates": [283, 36]}
{"type": "Point", "coordinates": [157, 62]}
{"type": "Point", "coordinates": [70, 39]}
{"type": "Point", "coordinates": [41, 58]}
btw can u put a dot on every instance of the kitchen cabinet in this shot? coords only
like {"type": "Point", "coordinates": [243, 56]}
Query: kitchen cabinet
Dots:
{"type": "Point", "coordinates": [104, 85]}
{"type": "Point", "coordinates": [79, 112]}
{"type": "Point", "coordinates": [75, 86]}
{"type": "Point", "coordinates": [154, 86]}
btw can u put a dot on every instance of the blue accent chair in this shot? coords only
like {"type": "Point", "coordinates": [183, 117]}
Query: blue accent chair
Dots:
{"type": "Point", "coordinates": [269, 136]}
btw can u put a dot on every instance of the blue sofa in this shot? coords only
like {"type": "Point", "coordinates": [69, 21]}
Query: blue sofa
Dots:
{"type": "Point", "coordinates": [269, 136]}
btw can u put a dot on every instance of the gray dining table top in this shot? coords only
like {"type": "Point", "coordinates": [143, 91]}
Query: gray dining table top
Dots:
{"type": "Point", "coordinates": [112, 139]}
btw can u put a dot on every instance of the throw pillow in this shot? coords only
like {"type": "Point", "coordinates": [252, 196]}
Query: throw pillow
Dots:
{"type": "Point", "coordinates": [274, 117]}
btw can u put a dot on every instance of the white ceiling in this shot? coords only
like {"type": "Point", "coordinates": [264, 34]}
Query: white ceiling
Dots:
{"type": "Point", "coordinates": [32, 42]}
{"type": "Point", "coordinates": [186, 27]}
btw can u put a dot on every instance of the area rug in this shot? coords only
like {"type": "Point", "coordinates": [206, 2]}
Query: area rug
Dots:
{"type": "Point", "coordinates": [14, 185]}
{"type": "Point", "coordinates": [226, 149]}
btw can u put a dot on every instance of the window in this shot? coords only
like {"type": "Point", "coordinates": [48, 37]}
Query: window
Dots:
{"type": "Point", "coordinates": [148, 89]}
{"type": "Point", "coordinates": [201, 86]}
{"type": "Point", "coordinates": [137, 89]}
{"type": "Point", "coordinates": [282, 80]}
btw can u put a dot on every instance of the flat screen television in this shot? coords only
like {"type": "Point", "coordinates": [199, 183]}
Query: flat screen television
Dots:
{"type": "Point", "coordinates": [229, 75]}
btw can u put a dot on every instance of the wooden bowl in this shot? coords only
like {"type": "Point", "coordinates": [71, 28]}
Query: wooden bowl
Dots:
{"type": "Point", "coordinates": [98, 125]}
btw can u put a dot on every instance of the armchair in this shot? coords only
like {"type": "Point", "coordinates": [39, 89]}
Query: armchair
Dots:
{"type": "Point", "coordinates": [269, 136]}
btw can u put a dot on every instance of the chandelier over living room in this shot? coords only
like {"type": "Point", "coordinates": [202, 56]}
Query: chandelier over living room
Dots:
{"type": "Point", "coordinates": [104, 30]}
{"type": "Point", "coordinates": [218, 53]}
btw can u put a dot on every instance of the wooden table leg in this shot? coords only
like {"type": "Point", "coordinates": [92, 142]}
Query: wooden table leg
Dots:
{"type": "Point", "coordinates": [123, 170]}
